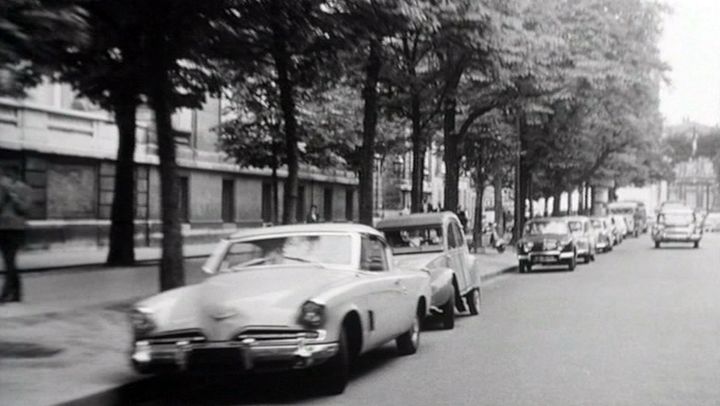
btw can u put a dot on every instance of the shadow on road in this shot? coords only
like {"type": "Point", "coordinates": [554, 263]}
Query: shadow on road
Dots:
{"type": "Point", "coordinates": [272, 388]}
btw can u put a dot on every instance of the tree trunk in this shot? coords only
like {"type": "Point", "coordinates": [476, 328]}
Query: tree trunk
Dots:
{"type": "Point", "coordinates": [370, 116]}
{"type": "Point", "coordinates": [556, 203]}
{"type": "Point", "coordinates": [418, 156]}
{"type": "Point", "coordinates": [581, 198]}
{"type": "Point", "coordinates": [499, 209]}
{"type": "Point", "coordinates": [282, 60]}
{"type": "Point", "coordinates": [569, 201]}
{"type": "Point", "coordinates": [479, 194]}
{"type": "Point", "coordinates": [452, 163]}
{"type": "Point", "coordinates": [275, 198]}
{"type": "Point", "coordinates": [122, 226]}
{"type": "Point", "coordinates": [172, 274]}
{"type": "Point", "coordinates": [545, 206]}
{"type": "Point", "coordinates": [531, 204]}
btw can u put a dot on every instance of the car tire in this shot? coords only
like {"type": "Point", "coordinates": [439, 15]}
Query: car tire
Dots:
{"type": "Point", "coordinates": [332, 376]}
{"type": "Point", "coordinates": [448, 312]}
{"type": "Point", "coordinates": [696, 244]}
{"type": "Point", "coordinates": [572, 263]}
{"type": "Point", "coordinates": [657, 244]}
{"type": "Point", "coordinates": [409, 341]}
{"type": "Point", "coordinates": [473, 301]}
{"type": "Point", "coordinates": [521, 266]}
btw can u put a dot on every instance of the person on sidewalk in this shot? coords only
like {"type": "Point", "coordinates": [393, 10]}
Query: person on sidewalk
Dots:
{"type": "Point", "coordinates": [14, 205]}
{"type": "Point", "coordinates": [312, 216]}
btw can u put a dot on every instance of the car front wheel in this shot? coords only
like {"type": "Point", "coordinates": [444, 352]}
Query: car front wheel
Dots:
{"type": "Point", "coordinates": [409, 341]}
{"type": "Point", "coordinates": [448, 312]}
{"type": "Point", "coordinates": [332, 376]}
{"type": "Point", "coordinates": [473, 301]}
{"type": "Point", "coordinates": [657, 244]}
{"type": "Point", "coordinates": [572, 263]}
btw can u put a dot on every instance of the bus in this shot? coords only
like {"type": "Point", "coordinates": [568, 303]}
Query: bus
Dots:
{"type": "Point", "coordinates": [634, 211]}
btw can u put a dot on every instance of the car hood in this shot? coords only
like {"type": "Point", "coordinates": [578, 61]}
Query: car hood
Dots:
{"type": "Point", "coordinates": [225, 303]}
{"type": "Point", "coordinates": [415, 262]}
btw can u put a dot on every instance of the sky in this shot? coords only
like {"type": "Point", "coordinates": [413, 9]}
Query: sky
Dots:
{"type": "Point", "coordinates": [691, 46]}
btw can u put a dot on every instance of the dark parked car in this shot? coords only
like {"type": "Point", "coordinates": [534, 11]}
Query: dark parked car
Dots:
{"type": "Point", "coordinates": [547, 241]}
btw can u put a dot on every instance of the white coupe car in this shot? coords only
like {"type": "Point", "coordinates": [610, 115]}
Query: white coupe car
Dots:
{"type": "Point", "coordinates": [287, 297]}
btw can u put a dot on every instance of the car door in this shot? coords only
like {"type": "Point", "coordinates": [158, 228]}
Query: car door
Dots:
{"type": "Point", "coordinates": [387, 295]}
{"type": "Point", "coordinates": [455, 254]}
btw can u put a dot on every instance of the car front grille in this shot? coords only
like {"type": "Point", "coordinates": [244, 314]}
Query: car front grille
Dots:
{"type": "Point", "coordinates": [265, 334]}
{"type": "Point", "coordinates": [171, 337]}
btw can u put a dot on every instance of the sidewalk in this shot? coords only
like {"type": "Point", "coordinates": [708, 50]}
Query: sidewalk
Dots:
{"type": "Point", "coordinates": [70, 338]}
{"type": "Point", "coordinates": [40, 260]}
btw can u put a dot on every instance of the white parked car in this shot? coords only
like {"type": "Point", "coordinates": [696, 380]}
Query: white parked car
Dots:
{"type": "Point", "coordinates": [288, 297]}
{"type": "Point", "coordinates": [435, 242]}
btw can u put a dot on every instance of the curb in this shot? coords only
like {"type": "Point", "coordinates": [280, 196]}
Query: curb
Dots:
{"type": "Point", "coordinates": [493, 275]}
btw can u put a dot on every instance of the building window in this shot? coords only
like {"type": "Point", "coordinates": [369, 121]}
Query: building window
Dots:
{"type": "Point", "coordinates": [267, 204]}
{"type": "Point", "coordinates": [184, 199]}
{"type": "Point", "coordinates": [228, 200]}
{"type": "Point", "coordinates": [327, 203]}
{"type": "Point", "coordinates": [349, 204]}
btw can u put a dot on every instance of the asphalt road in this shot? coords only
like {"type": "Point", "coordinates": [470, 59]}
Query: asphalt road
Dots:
{"type": "Point", "coordinates": [640, 326]}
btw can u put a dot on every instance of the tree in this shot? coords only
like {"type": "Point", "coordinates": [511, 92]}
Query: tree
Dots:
{"type": "Point", "coordinates": [183, 41]}
{"type": "Point", "coordinates": [32, 35]}
{"type": "Point", "coordinates": [107, 69]}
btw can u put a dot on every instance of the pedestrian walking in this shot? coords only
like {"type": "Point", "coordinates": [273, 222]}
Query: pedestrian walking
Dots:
{"type": "Point", "coordinates": [312, 216]}
{"type": "Point", "coordinates": [14, 205]}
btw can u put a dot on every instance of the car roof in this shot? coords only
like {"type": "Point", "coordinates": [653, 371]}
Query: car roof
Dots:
{"type": "Point", "coordinates": [305, 228]}
{"type": "Point", "coordinates": [415, 219]}
{"type": "Point", "coordinates": [577, 218]}
{"type": "Point", "coordinates": [678, 210]}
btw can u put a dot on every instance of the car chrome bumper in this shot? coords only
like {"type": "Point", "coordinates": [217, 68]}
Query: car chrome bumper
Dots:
{"type": "Point", "coordinates": [535, 256]}
{"type": "Point", "coordinates": [677, 237]}
{"type": "Point", "coordinates": [247, 355]}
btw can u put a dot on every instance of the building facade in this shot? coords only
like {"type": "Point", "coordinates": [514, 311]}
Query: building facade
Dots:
{"type": "Point", "coordinates": [696, 184]}
{"type": "Point", "coordinates": [65, 149]}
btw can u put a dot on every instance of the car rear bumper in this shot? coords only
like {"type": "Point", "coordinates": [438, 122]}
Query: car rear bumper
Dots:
{"type": "Point", "coordinates": [229, 356]}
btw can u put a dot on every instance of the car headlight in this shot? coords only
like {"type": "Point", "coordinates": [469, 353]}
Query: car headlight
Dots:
{"type": "Point", "coordinates": [527, 246]}
{"type": "Point", "coordinates": [312, 314]}
{"type": "Point", "coordinates": [566, 245]}
{"type": "Point", "coordinates": [142, 321]}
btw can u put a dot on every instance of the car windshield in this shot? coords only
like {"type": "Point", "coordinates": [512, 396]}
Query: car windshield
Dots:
{"type": "Point", "coordinates": [546, 227]}
{"type": "Point", "coordinates": [296, 249]}
{"type": "Point", "coordinates": [408, 240]}
{"type": "Point", "coordinates": [676, 219]}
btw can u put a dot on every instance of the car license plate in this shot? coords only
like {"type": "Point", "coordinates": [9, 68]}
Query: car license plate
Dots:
{"type": "Point", "coordinates": [214, 358]}
{"type": "Point", "coordinates": [544, 258]}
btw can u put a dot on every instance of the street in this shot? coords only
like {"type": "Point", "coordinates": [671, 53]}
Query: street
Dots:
{"type": "Point", "coordinates": [640, 326]}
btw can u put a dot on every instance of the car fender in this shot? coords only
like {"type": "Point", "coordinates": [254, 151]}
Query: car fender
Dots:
{"type": "Point", "coordinates": [441, 286]}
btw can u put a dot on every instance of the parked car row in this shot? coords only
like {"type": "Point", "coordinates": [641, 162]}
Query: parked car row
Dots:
{"type": "Point", "coordinates": [312, 296]}
{"type": "Point", "coordinates": [565, 240]}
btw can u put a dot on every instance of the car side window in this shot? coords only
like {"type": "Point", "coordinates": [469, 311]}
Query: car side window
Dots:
{"type": "Point", "coordinates": [457, 237]}
{"type": "Point", "coordinates": [452, 237]}
{"type": "Point", "coordinates": [373, 254]}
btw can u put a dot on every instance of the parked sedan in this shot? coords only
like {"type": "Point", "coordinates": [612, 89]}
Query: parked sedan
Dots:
{"type": "Point", "coordinates": [585, 237]}
{"type": "Point", "coordinates": [288, 297]}
{"type": "Point", "coordinates": [605, 234]}
{"type": "Point", "coordinates": [619, 227]}
{"type": "Point", "coordinates": [547, 241]}
{"type": "Point", "coordinates": [435, 242]}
